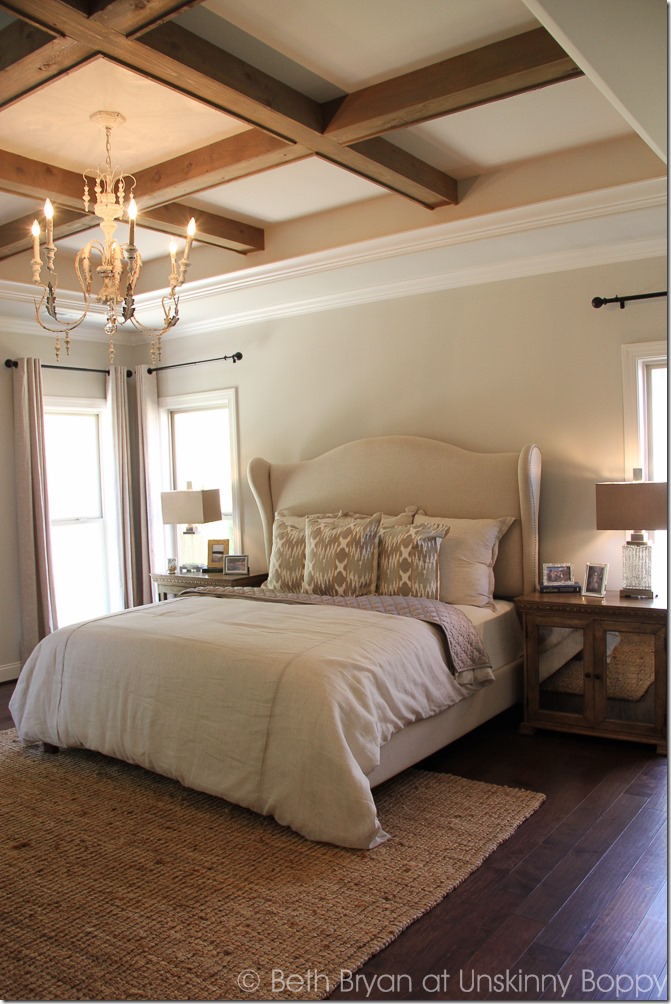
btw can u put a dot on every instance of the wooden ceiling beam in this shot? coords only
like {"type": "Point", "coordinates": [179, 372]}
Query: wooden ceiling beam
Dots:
{"type": "Point", "coordinates": [175, 57]}
{"type": "Point", "coordinates": [217, 231]}
{"type": "Point", "coordinates": [237, 156]}
{"type": "Point", "coordinates": [40, 45]}
{"type": "Point", "coordinates": [34, 180]}
{"type": "Point", "coordinates": [181, 60]}
{"type": "Point", "coordinates": [134, 17]}
{"type": "Point", "coordinates": [220, 79]}
{"type": "Point", "coordinates": [524, 62]}
{"type": "Point", "coordinates": [30, 58]}
{"type": "Point", "coordinates": [16, 237]}
{"type": "Point", "coordinates": [212, 229]}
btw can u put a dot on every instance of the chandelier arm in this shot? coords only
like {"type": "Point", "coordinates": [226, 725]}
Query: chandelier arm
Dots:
{"type": "Point", "coordinates": [64, 326]}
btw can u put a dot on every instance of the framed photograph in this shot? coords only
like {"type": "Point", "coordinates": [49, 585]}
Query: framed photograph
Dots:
{"type": "Point", "coordinates": [558, 574]}
{"type": "Point", "coordinates": [216, 552]}
{"type": "Point", "coordinates": [236, 564]}
{"type": "Point", "coordinates": [595, 580]}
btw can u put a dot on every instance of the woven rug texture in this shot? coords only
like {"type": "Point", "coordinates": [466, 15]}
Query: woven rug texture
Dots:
{"type": "Point", "coordinates": [118, 884]}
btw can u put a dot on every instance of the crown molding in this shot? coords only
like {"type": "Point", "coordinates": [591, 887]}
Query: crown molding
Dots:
{"type": "Point", "coordinates": [558, 212]}
{"type": "Point", "coordinates": [559, 235]}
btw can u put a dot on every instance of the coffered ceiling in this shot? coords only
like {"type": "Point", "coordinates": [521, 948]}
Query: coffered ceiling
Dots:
{"type": "Point", "coordinates": [296, 126]}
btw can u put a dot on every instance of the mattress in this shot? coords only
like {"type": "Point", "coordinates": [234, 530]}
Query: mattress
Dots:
{"type": "Point", "coordinates": [499, 631]}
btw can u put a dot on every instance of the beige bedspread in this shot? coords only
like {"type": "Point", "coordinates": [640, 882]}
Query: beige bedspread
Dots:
{"type": "Point", "coordinates": [278, 707]}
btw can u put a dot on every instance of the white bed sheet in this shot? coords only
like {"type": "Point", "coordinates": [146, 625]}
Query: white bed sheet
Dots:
{"type": "Point", "coordinates": [499, 630]}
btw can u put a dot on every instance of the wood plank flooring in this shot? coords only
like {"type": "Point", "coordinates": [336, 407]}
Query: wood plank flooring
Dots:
{"type": "Point", "coordinates": [572, 907]}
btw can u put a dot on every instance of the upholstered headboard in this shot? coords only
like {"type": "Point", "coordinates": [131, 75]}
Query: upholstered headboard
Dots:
{"type": "Point", "coordinates": [388, 473]}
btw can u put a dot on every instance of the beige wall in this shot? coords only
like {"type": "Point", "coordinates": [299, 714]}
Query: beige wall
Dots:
{"type": "Point", "coordinates": [488, 367]}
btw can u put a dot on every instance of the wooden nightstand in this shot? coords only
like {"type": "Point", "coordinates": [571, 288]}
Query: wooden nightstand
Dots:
{"type": "Point", "coordinates": [595, 666]}
{"type": "Point", "coordinates": [172, 585]}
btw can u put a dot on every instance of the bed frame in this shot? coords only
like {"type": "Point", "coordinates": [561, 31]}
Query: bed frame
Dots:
{"type": "Point", "coordinates": [388, 473]}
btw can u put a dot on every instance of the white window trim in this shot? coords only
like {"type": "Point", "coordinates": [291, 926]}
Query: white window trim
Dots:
{"type": "Point", "coordinates": [204, 399]}
{"type": "Point", "coordinates": [634, 360]}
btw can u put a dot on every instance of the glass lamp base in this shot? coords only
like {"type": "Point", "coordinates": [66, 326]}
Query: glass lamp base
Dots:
{"type": "Point", "coordinates": [637, 571]}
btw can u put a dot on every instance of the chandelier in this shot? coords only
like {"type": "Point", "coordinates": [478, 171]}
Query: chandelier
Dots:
{"type": "Point", "coordinates": [120, 264]}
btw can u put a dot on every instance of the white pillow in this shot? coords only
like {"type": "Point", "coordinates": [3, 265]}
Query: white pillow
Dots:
{"type": "Point", "coordinates": [467, 556]}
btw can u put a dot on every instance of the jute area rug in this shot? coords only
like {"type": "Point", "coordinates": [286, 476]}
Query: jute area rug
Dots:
{"type": "Point", "coordinates": [118, 884]}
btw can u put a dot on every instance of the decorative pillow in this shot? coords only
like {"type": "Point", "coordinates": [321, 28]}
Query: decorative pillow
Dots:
{"type": "Point", "coordinates": [467, 557]}
{"type": "Point", "coordinates": [287, 558]}
{"type": "Point", "coordinates": [408, 560]}
{"type": "Point", "coordinates": [341, 555]}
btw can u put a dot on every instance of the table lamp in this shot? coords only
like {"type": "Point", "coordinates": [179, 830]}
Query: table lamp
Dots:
{"type": "Point", "coordinates": [190, 508]}
{"type": "Point", "coordinates": [622, 505]}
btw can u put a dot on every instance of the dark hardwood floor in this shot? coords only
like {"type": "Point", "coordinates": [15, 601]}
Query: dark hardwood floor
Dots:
{"type": "Point", "coordinates": [6, 691]}
{"type": "Point", "coordinates": [572, 907]}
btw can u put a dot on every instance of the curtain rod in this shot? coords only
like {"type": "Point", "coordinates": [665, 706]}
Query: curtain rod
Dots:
{"type": "Point", "coordinates": [599, 301]}
{"type": "Point", "coordinates": [13, 364]}
{"type": "Point", "coordinates": [196, 362]}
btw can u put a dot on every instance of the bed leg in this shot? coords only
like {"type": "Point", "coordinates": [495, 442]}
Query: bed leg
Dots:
{"type": "Point", "coordinates": [49, 748]}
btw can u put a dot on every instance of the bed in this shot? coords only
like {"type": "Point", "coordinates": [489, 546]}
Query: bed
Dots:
{"type": "Point", "coordinates": [391, 634]}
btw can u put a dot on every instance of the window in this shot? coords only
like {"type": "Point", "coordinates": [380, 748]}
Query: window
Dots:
{"type": "Point", "coordinates": [655, 419]}
{"type": "Point", "coordinates": [644, 372]}
{"type": "Point", "coordinates": [199, 437]}
{"type": "Point", "coordinates": [84, 567]}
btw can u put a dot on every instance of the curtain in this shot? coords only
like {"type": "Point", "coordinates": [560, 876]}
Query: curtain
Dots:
{"type": "Point", "coordinates": [151, 555]}
{"type": "Point", "coordinates": [117, 400]}
{"type": "Point", "coordinates": [36, 588]}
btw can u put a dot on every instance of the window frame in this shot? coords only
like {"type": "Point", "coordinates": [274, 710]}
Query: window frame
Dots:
{"type": "Point", "coordinates": [53, 404]}
{"type": "Point", "coordinates": [199, 401]}
{"type": "Point", "coordinates": [636, 361]}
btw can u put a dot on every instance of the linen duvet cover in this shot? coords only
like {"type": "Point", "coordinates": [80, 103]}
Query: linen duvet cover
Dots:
{"type": "Point", "coordinates": [277, 703]}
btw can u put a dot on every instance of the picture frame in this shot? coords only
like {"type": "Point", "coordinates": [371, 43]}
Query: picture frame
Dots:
{"type": "Point", "coordinates": [216, 552]}
{"type": "Point", "coordinates": [558, 573]}
{"type": "Point", "coordinates": [596, 575]}
{"type": "Point", "coordinates": [236, 564]}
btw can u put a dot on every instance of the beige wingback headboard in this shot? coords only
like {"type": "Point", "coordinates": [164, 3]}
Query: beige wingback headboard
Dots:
{"type": "Point", "coordinates": [388, 473]}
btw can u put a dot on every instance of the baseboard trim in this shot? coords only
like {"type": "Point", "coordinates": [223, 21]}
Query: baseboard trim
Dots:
{"type": "Point", "coordinates": [10, 671]}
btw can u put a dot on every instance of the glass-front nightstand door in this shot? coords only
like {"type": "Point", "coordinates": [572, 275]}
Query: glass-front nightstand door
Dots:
{"type": "Point", "coordinates": [628, 696]}
{"type": "Point", "coordinates": [564, 669]}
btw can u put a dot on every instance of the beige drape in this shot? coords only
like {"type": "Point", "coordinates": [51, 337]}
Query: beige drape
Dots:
{"type": "Point", "coordinates": [36, 589]}
{"type": "Point", "coordinates": [151, 547]}
{"type": "Point", "coordinates": [117, 400]}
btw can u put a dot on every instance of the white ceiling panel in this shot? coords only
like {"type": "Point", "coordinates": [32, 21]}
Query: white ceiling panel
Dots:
{"type": "Point", "coordinates": [478, 140]}
{"type": "Point", "coordinates": [355, 43]}
{"type": "Point", "coordinates": [53, 125]}
{"type": "Point", "coordinates": [290, 192]}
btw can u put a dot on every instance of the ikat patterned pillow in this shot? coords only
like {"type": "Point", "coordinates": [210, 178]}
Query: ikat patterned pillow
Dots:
{"type": "Point", "coordinates": [287, 558]}
{"type": "Point", "coordinates": [408, 561]}
{"type": "Point", "coordinates": [341, 555]}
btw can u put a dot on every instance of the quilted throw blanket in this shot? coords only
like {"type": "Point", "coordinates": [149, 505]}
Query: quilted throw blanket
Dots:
{"type": "Point", "coordinates": [281, 707]}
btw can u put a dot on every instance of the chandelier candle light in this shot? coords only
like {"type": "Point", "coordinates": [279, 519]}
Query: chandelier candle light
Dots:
{"type": "Point", "coordinates": [120, 264]}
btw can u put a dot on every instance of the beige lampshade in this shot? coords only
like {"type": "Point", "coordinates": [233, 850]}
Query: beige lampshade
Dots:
{"type": "Point", "coordinates": [631, 505]}
{"type": "Point", "coordinates": [192, 506]}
